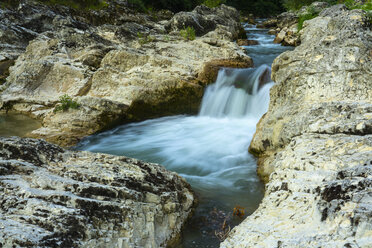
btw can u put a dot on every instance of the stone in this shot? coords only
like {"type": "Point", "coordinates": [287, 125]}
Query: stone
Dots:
{"type": "Point", "coordinates": [210, 70]}
{"type": "Point", "coordinates": [51, 197]}
{"type": "Point", "coordinates": [314, 145]}
{"type": "Point", "coordinates": [272, 32]}
{"type": "Point", "coordinates": [128, 64]}
{"type": "Point", "coordinates": [204, 20]}
{"type": "Point", "coordinates": [242, 42]}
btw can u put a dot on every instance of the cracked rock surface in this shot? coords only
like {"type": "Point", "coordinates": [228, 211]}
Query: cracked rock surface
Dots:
{"type": "Point", "coordinates": [315, 142]}
{"type": "Point", "coordinates": [51, 197]}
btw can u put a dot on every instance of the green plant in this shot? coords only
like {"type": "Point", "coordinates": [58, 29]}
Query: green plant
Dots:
{"type": "Point", "coordinates": [65, 103]}
{"type": "Point", "coordinates": [78, 4]}
{"type": "Point", "coordinates": [213, 3]}
{"type": "Point", "coordinates": [144, 38]}
{"type": "Point", "coordinates": [188, 33]}
{"type": "Point", "coordinates": [310, 14]}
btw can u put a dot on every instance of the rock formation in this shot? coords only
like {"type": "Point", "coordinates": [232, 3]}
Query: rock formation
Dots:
{"type": "Point", "coordinates": [285, 24]}
{"type": "Point", "coordinates": [315, 142]}
{"type": "Point", "coordinates": [51, 197]}
{"type": "Point", "coordinates": [117, 65]}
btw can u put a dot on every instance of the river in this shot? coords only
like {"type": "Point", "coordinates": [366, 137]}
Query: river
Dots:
{"type": "Point", "coordinates": [210, 150]}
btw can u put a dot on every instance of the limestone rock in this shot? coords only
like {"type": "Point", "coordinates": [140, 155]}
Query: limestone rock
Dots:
{"type": "Point", "coordinates": [128, 63]}
{"type": "Point", "coordinates": [242, 42]}
{"type": "Point", "coordinates": [204, 20]}
{"type": "Point", "coordinates": [315, 142]}
{"type": "Point", "coordinates": [52, 197]}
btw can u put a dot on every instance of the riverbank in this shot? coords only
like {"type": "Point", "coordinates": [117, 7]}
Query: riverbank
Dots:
{"type": "Point", "coordinates": [315, 142]}
{"type": "Point", "coordinates": [127, 68]}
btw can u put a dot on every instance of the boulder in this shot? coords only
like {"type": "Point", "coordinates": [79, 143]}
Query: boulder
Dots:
{"type": "Point", "coordinates": [51, 197]}
{"type": "Point", "coordinates": [314, 145]}
{"type": "Point", "coordinates": [204, 20]}
{"type": "Point", "coordinates": [243, 42]}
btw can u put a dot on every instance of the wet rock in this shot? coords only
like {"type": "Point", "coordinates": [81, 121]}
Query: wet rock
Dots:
{"type": "Point", "coordinates": [314, 144]}
{"type": "Point", "coordinates": [210, 69]}
{"type": "Point", "coordinates": [242, 42]}
{"type": "Point", "coordinates": [52, 197]}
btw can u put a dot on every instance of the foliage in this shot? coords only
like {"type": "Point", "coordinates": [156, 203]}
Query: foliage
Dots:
{"type": "Point", "coordinates": [65, 103]}
{"type": "Point", "coordinates": [213, 3]}
{"type": "Point", "coordinates": [144, 38]}
{"type": "Point", "coordinates": [188, 33]}
{"type": "Point", "coordinates": [78, 4]}
{"type": "Point", "coordinates": [310, 14]}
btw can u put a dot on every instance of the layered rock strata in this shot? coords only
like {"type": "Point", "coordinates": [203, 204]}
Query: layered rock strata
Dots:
{"type": "Point", "coordinates": [125, 68]}
{"type": "Point", "coordinates": [315, 142]}
{"type": "Point", "coordinates": [51, 197]}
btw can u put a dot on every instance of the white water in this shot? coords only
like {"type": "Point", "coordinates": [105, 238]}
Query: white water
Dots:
{"type": "Point", "coordinates": [209, 150]}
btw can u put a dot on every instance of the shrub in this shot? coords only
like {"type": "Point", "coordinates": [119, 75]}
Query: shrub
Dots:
{"type": "Point", "coordinates": [188, 33]}
{"type": "Point", "coordinates": [65, 103]}
{"type": "Point", "coordinates": [310, 14]}
{"type": "Point", "coordinates": [78, 4]}
{"type": "Point", "coordinates": [213, 3]}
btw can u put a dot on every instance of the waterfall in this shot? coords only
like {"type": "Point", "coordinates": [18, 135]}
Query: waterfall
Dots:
{"type": "Point", "coordinates": [238, 93]}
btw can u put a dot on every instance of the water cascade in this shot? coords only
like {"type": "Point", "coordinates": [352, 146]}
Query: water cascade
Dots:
{"type": "Point", "coordinates": [209, 150]}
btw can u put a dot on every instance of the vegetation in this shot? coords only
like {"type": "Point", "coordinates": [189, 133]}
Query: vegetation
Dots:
{"type": "Point", "coordinates": [75, 4]}
{"type": "Point", "coordinates": [65, 103]}
{"type": "Point", "coordinates": [144, 38]}
{"type": "Point", "coordinates": [310, 14]}
{"type": "Point", "coordinates": [188, 33]}
{"type": "Point", "coordinates": [213, 3]}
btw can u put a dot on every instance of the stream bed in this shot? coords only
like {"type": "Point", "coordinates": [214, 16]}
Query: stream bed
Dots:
{"type": "Point", "coordinates": [210, 150]}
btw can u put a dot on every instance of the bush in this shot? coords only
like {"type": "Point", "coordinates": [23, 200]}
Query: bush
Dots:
{"type": "Point", "coordinates": [310, 14]}
{"type": "Point", "coordinates": [213, 3]}
{"type": "Point", "coordinates": [65, 103]}
{"type": "Point", "coordinates": [188, 33]}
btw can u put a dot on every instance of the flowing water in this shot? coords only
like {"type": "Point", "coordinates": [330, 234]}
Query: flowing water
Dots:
{"type": "Point", "coordinates": [210, 150]}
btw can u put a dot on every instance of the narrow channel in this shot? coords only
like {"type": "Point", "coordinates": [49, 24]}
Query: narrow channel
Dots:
{"type": "Point", "coordinates": [210, 150]}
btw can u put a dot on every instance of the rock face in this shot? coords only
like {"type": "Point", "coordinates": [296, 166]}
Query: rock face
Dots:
{"type": "Point", "coordinates": [119, 66]}
{"type": "Point", "coordinates": [315, 142]}
{"type": "Point", "coordinates": [51, 197]}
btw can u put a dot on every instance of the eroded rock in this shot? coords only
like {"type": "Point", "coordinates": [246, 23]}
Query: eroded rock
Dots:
{"type": "Point", "coordinates": [130, 62]}
{"type": "Point", "coordinates": [52, 197]}
{"type": "Point", "coordinates": [314, 144]}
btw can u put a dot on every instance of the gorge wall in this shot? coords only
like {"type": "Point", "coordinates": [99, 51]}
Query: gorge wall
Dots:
{"type": "Point", "coordinates": [315, 142]}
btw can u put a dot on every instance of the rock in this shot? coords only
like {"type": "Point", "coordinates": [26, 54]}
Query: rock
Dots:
{"type": "Point", "coordinates": [272, 32]}
{"type": "Point", "coordinates": [315, 142]}
{"type": "Point", "coordinates": [242, 42]}
{"type": "Point", "coordinates": [57, 198]}
{"type": "Point", "coordinates": [270, 23]}
{"type": "Point", "coordinates": [210, 70]}
{"type": "Point", "coordinates": [286, 19]}
{"type": "Point", "coordinates": [129, 65]}
{"type": "Point", "coordinates": [204, 20]}
{"type": "Point", "coordinates": [316, 7]}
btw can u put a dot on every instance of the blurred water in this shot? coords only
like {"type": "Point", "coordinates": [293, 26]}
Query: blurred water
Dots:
{"type": "Point", "coordinates": [209, 150]}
